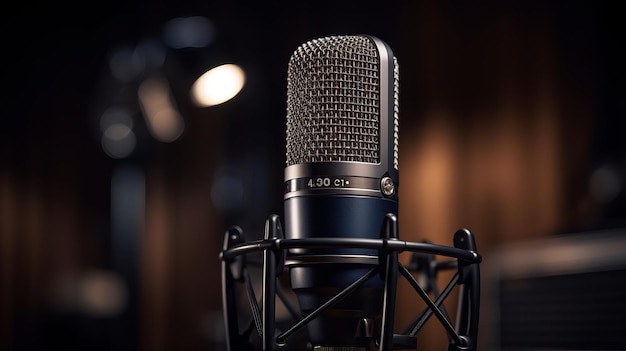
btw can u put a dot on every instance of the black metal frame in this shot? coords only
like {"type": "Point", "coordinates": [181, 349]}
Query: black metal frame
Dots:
{"type": "Point", "coordinates": [273, 247]}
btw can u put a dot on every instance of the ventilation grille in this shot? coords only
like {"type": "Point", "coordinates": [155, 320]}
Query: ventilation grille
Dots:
{"type": "Point", "coordinates": [580, 311]}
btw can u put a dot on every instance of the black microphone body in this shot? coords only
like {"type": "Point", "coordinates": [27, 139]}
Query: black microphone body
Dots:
{"type": "Point", "coordinates": [341, 178]}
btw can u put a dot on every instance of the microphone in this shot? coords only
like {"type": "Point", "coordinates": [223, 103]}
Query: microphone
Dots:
{"type": "Point", "coordinates": [341, 179]}
{"type": "Point", "coordinates": [340, 238]}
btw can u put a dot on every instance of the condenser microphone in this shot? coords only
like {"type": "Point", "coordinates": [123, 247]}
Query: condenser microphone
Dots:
{"type": "Point", "coordinates": [341, 178]}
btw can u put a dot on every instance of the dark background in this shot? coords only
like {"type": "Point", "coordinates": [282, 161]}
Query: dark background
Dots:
{"type": "Point", "coordinates": [508, 109]}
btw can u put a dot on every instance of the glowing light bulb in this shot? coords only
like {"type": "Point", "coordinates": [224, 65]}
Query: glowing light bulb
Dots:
{"type": "Point", "coordinates": [218, 85]}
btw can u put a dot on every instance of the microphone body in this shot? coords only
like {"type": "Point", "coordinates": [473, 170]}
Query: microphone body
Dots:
{"type": "Point", "coordinates": [341, 178]}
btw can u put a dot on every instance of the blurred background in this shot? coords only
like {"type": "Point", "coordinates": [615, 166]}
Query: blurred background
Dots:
{"type": "Point", "coordinates": [117, 184]}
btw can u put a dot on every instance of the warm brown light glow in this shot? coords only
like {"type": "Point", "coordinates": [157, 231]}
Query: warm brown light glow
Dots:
{"type": "Point", "coordinates": [160, 111]}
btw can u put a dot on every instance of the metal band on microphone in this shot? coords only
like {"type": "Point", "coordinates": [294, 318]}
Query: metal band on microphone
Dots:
{"type": "Point", "coordinates": [332, 185]}
{"type": "Point", "coordinates": [340, 185]}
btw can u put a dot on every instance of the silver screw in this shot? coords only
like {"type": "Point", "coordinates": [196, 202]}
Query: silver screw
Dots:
{"type": "Point", "coordinates": [386, 186]}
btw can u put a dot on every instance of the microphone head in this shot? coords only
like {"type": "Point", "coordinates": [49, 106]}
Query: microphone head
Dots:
{"type": "Point", "coordinates": [338, 91]}
{"type": "Point", "coordinates": [341, 177]}
{"type": "Point", "coordinates": [342, 102]}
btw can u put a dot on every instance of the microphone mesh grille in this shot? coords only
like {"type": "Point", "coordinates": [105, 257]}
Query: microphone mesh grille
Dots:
{"type": "Point", "coordinates": [333, 101]}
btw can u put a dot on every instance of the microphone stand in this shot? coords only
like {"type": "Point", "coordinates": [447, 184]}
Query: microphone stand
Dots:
{"type": "Point", "coordinates": [465, 260]}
